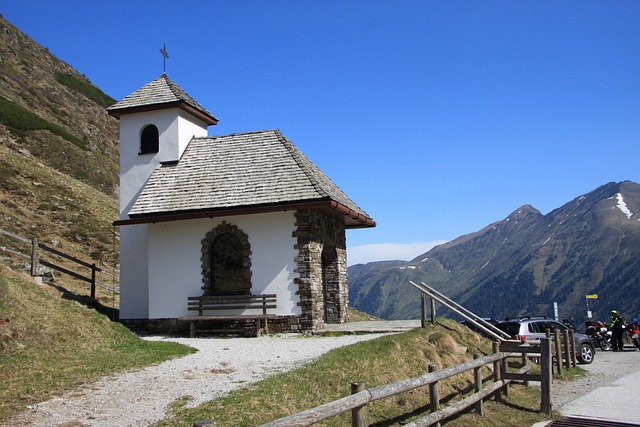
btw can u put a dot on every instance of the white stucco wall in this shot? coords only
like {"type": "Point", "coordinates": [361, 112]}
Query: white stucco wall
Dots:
{"type": "Point", "coordinates": [134, 291]}
{"type": "Point", "coordinates": [175, 266]}
{"type": "Point", "coordinates": [188, 127]}
{"type": "Point", "coordinates": [175, 130]}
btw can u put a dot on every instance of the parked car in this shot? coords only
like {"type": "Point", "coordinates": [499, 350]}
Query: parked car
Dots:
{"type": "Point", "coordinates": [534, 328]}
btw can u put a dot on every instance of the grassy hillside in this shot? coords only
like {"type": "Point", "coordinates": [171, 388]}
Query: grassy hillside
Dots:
{"type": "Point", "coordinates": [55, 113]}
{"type": "Point", "coordinates": [58, 157]}
{"type": "Point", "coordinates": [49, 344]}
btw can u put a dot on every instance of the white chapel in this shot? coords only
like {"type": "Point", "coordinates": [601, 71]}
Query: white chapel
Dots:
{"type": "Point", "coordinates": [245, 213]}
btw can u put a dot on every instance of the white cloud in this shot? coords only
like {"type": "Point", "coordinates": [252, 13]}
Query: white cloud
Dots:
{"type": "Point", "coordinates": [388, 251]}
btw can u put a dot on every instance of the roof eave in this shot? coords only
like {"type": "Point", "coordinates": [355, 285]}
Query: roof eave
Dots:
{"type": "Point", "coordinates": [352, 218]}
{"type": "Point", "coordinates": [359, 220]}
{"type": "Point", "coordinates": [207, 118]}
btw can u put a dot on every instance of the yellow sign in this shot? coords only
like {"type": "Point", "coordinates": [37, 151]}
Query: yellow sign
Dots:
{"type": "Point", "coordinates": [593, 296]}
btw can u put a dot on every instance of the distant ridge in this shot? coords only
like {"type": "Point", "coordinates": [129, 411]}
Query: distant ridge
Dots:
{"type": "Point", "coordinates": [524, 263]}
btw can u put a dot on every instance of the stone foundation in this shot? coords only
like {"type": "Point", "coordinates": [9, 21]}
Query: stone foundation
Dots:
{"type": "Point", "coordinates": [282, 324]}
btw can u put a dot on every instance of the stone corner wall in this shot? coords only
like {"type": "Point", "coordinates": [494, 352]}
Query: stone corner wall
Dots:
{"type": "Point", "coordinates": [321, 240]}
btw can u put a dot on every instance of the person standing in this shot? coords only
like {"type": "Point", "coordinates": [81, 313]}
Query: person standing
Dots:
{"type": "Point", "coordinates": [617, 329]}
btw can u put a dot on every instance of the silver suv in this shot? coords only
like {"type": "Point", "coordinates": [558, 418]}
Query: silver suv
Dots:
{"type": "Point", "coordinates": [534, 328]}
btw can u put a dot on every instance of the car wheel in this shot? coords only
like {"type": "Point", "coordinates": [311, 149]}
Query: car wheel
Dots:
{"type": "Point", "coordinates": [586, 354]}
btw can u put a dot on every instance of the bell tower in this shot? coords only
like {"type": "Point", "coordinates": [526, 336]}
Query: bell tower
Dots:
{"type": "Point", "coordinates": [156, 124]}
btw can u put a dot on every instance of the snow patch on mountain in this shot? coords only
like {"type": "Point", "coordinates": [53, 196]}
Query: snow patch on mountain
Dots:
{"type": "Point", "coordinates": [623, 206]}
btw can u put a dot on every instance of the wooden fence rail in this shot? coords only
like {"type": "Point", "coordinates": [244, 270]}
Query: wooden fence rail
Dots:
{"type": "Point", "coordinates": [357, 402]}
{"type": "Point", "coordinates": [473, 319]}
{"type": "Point", "coordinates": [35, 260]}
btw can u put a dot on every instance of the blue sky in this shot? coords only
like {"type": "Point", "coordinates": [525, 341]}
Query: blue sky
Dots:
{"type": "Point", "coordinates": [436, 117]}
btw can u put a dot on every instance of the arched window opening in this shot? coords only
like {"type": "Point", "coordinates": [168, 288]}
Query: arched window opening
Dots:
{"type": "Point", "coordinates": [226, 261]}
{"type": "Point", "coordinates": [227, 265]}
{"type": "Point", "coordinates": [149, 140]}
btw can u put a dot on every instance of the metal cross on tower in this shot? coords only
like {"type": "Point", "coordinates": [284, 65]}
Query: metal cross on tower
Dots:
{"type": "Point", "coordinates": [165, 56]}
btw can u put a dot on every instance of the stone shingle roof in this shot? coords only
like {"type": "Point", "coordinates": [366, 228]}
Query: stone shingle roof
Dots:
{"type": "Point", "coordinates": [161, 92]}
{"type": "Point", "coordinates": [244, 170]}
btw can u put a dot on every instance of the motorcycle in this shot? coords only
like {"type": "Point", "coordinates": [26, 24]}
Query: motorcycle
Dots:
{"type": "Point", "coordinates": [600, 336]}
{"type": "Point", "coordinates": [633, 332]}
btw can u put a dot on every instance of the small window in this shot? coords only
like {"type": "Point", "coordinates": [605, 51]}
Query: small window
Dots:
{"type": "Point", "coordinates": [149, 140]}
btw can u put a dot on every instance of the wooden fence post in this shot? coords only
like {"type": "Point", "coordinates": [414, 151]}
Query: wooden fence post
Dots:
{"type": "Point", "coordinates": [359, 415]}
{"type": "Point", "coordinates": [496, 370]}
{"type": "Point", "coordinates": [477, 374]}
{"type": "Point", "coordinates": [525, 360]}
{"type": "Point", "coordinates": [567, 349]}
{"type": "Point", "coordinates": [556, 339]}
{"type": "Point", "coordinates": [434, 394]}
{"type": "Point", "coordinates": [504, 368]}
{"type": "Point", "coordinates": [433, 311]}
{"type": "Point", "coordinates": [93, 281]}
{"type": "Point", "coordinates": [423, 310]}
{"type": "Point", "coordinates": [572, 340]}
{"type": "Point", "coordinates": [545, 375]}
{"type": "Point", "coordinates": [34, 257]}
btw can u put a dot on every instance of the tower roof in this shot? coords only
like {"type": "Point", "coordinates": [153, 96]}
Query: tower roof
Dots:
{"type": "Point", "coordinates": [159, 94]}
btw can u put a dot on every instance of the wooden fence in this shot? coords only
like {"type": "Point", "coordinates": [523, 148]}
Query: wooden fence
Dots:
{"type": "Point", "coordinates": [35, 259]}
{"type": "Point", "coordinates": [360, 397]}
{"type": "Point", "coordinates": [563, 347]}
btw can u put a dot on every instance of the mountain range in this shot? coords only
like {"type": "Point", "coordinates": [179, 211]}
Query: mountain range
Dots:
{"type": "Point", "coordinates": [524, 264]}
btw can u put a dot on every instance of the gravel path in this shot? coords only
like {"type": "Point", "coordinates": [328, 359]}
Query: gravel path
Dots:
{"type": "Point", "coordinates": [607, 367]}
{"type": "Point", "coordinates": [141, 397]}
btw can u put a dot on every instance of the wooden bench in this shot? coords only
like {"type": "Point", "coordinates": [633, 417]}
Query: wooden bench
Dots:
{"type": "Point", "coordinates": [208, 303]}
